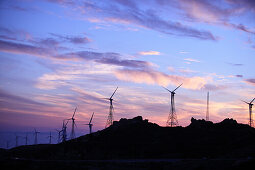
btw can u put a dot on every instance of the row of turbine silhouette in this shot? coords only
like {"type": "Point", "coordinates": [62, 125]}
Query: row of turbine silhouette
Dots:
{"type": "Point", "coordinates": [171, 121]}
{"type": "Point", "coordinates": [17, 137]}
{"type": "Point", "coordinates": [62, 134]}
{"type": "Point", "coordinates": [172, 117]}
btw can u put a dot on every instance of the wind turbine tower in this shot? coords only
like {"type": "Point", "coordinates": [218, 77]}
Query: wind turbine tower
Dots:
{"type": "Point", "coordinates": [26, 138]}
{"type": "Point", "coordinates": [207, 109]}
{"type": "Point", "coordinates": [90, 124]}
{"type": "Point", "coordinates": [59, 134]}
{"type": "Point", "coordinates": [64, 134]}
{"type": "Point", "coordinates": [250, 112]}
{"type": "Point", "coordinates": [35, 133]}
{"type": "Point", "coordinates": [50, 137]}
{"type": "Point", "coordinates": [172, 118]}
{"type": "Point", "coordinates": [17, 140]}
{"type": "Point", "coordinates": [72, 136]}
{"type": "Point", "coordinates": [111, 110]}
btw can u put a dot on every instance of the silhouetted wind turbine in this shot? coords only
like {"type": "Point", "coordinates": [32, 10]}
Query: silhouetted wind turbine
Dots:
{"type": "Point", "coordinates": [35, 133]}
{"type": "Point", "coordinates": [50, 137]}
{"type": "Point", "coordinates": [59, 134]}
{"type": "Point", "coordinates": [90, 124]}
{"type": "Point", "coordinates": [111, 110]}
{"type": "Point", "coordinates": [72, 136]}
{"type": "Point", "coordinates": [26, 138]}
{"type": "Point", "coordinates": [17, 140]}
{"type": "Point", "coordinates": [250, 112]}
{"type": "Point", "coordinates": [64, 135]}
{"type": "Point", "coordinates": [172, 118]}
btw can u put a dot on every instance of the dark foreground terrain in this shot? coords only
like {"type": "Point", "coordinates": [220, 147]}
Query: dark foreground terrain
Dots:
{"type": "Point", "coordinates": [138, 144]}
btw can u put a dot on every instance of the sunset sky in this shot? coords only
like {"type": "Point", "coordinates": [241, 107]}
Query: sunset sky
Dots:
{"type": "Point", "coordinates": [60, 54]}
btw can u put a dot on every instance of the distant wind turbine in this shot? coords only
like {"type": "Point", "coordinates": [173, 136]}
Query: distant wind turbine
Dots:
{"type": "Point", "coordinates": [72, 136]}
{"type": "Point", "coordinates": [35, 133]}
{"type": "Point", "coordinates": [59, 135]}
{"type": "Point", "coordinates": [50, 137]}
{"type": "Point", "coordinates": [250, 112]}
{"type": "Point", "coordinates": [64, 127]}
{"type": "Point", "coordinates": [90, 124]}
{"type": "Point", "coordinates": [172, 118]}
{"type": "Point", "coordinates": [111, 110]}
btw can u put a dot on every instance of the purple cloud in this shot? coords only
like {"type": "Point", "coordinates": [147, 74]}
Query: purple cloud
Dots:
{"type": "Point", "coordinates": [73, 39]}
{"type": "Point", "coordinates": [238, 75]}
{"type": "Point", "coordinates": [250, 81]}
{"type": "Point", "coordinates": [248, 4]}
{"type": "Point", "coordinates": [104, 58]}
{"type": "Point", "coordinates": [10, 34]}
{"type": "Point", "coordinates": [19, 48]}
{"type": "Point", "coordinates": [128, 12]}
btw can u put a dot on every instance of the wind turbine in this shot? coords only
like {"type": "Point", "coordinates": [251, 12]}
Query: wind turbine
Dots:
{"type": "Point", "coordinates": [250, 112]}
{"type": "Point", "coordinates": [72, 136]}
{"type": "Point", "coordinates": [35, 133]}
{"type": "Point", "coordinates": [50, 137]}
{"type": "Point", "coordinates": [64, 135]}
{"type": "Point", "coordinates": [26, 138]}
{"type": "Point", "coordinates": [17, 140]}
{"type": "Point", "coordinates": [110, 116]}
{"type": "Point", "coordinates": [172, 118]}
{"type": "Point", "coordinates": [90, 124]}
{"type": "Point", "coordinates": [59, 134]}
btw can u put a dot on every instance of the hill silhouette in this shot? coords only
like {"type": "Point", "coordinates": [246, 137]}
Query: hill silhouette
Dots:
{"type": "Point", "coordinates": [129, 139]}
{"type": "Point", "coordinates": [139, 139]}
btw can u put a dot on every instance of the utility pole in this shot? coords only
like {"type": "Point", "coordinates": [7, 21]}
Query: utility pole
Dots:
{"type": "Point", "coordinates": [207, 109]}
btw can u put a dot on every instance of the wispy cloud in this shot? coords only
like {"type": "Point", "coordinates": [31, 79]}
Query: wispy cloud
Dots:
{"type": "Point", "coordinates": [239, 75]}
{"type": "Point", "coordinates": [192, 60]}
{"type": "Point", "coordinates": [125, 13]}
{"type": "Point", "coordinates": [149, 53]}
{"type": "Point", "coordinates": [20, 48]}
{"type": "Point", "coordinates": [110, 58]}
{"type": "Point", "coordinates": [235, 64]}
{"type": "Point", "coordinates": [156, 77]}
{"type": "Point", "coordinates": [73, 39]}
{"type": "Point", "coordinates": [250, 81]}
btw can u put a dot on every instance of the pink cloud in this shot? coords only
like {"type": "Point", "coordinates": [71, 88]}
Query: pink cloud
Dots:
{"type": "Point", "coordinates": [149, 53]}
{"type": "Point", "coordinates": [250, 81]}
{"type": "Point", "coordinates": [155, 77]}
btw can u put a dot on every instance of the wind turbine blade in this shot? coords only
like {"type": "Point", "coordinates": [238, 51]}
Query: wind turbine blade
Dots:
{"type": "Point", "coordinates": [177, 87]}
{"type": "Point", "coordinates": [91, 118]}
{"type": "Point", "coordinates": [75, 124]}
{"type": "Point", "coordinates": [114, 93]}
{"type": "Point", "coordinates": [245, 102]}
{"type": "Point", "coordinates": [252, 100]}
{"type": "Point", "coordinates": [166, 89]}
{"type": "Point", "coordinates": [74, 112]}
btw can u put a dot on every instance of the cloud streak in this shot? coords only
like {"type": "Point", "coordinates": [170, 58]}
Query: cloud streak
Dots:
{"type": "Point", "coordinates": [128, 12]}
{"type": "Point", "coordinates": [20, 48]}
{"type": "Point", "coordinates": [149, 53]}
{"type": "Point", "coordinates": [104, 58]}
{"type": "Point", "coordinates": [155, 77]}
{"type": "Point", "coordinates": [250, 81]}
